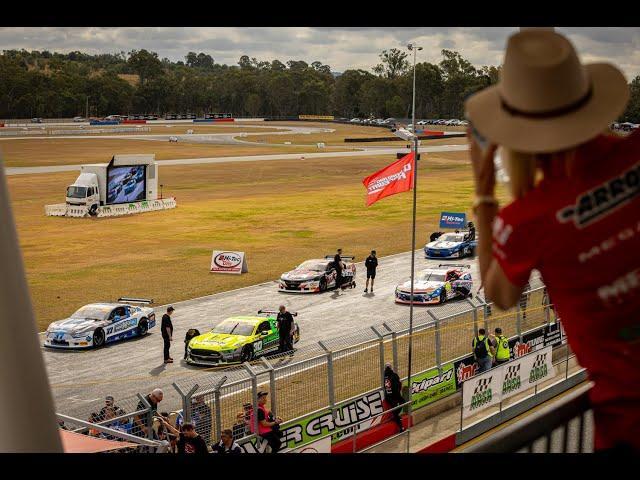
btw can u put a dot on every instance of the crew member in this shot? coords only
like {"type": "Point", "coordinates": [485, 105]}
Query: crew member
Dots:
{"type": "Point", "coordinates": [502, 347]}
{"type": "Point", "coordinates": [285, 326]}
{"type": "Point", "coordinates": [166, 328]}
{"type": "Point", "coordinates": [338, 265]}
{"type": "Point", "coordinates": [392, 393]}
{"type": "Point", "coordinates": [371, 263]}
{"type": "Point", "coordinates": [482, 351]}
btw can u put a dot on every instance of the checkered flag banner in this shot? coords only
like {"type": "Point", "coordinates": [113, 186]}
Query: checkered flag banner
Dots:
{"type": "Point", "coordinates": [513, 371]}
{"type": "Point", "coordinates": [540, 360]}
{"type": "Point", "coordinates": [482, 385]}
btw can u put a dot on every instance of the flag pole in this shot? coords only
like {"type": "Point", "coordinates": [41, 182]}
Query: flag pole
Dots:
{"type": "Point", "coordinates": [413, 235]}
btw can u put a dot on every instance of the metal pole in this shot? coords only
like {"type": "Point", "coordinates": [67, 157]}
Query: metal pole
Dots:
{"type": "Point", "coordinates": [330, 386]}
{"type": "Point", "coordinates": [254, 391]}
{"type": "Point", "coordinates": [216, 400]}
{"type": "Point", "coordinates": [380, 354]}
{"type": "Point", "coordinates": [413, 225]}
{"type": "Point", "coordinates": [272, 384]}
{"type": "Point", "coordinates": [438, 340]}
{"type": "Point", "coordinates": [394, 346]}
{"type": "Point", "coordinates": [26, 405]}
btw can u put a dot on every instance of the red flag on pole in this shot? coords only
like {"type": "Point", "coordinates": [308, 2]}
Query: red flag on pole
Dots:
{"type": "Point", "coordinates": [392, 179]}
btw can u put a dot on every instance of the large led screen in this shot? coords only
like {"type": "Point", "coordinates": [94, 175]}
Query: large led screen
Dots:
{"type": "Point", "coordinates": [126, 184]}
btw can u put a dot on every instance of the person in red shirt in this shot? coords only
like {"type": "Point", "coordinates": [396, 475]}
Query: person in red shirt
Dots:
{"type": "Point", "coordinates": [575, 215]}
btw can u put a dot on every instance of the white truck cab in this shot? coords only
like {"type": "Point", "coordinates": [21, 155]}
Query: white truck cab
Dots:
{"type": "Point", "coordinates": [84, 191]}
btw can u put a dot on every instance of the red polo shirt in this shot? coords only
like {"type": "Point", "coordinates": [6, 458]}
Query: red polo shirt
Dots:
{"type": "Point", "coordinates": [583, 235]}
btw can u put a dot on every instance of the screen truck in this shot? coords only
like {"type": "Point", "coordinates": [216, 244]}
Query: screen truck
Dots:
{"type": "Point", "coordinates": [127, 184]}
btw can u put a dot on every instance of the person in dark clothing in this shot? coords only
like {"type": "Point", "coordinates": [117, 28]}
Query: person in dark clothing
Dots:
{"type": "Point", "coordinates": [472, 231]}
{"type": "Point", "coordinates": [434, 236]}
{"type": "Point", "coordinates": [285, 325]}
{"type": "Point", "coordinates": [371, 263]}
{"type": "Point", "coordinates": [166, 328]}
{"type": "Point", "coordinates": [188, 439]}
{"type": "Point", "coordinates": [392, 395]}
{"type": "Point", "coordinates": [337, 263]}
{"type": "Point", "coordinates": [226, 443]}
{"type": "Point", "coordinates": [154, 398]}
{"type": "Point", "coordinates": [191, 333]}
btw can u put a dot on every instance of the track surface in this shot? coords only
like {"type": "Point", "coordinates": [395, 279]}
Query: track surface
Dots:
{"type": "Point", "coordinates": [80, 378]}
{"type": "Point", "coordinates": [363, 152]}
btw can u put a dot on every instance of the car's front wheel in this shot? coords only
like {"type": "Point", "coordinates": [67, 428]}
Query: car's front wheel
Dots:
{"type": "Point", "coordinates": [143, 327]}
{"type": "Point", "coordinates": [323, 285]}
{"type": "Point", "coordinates": [247, 354]}
{"type": "Point", "coordinates": [98, 338]}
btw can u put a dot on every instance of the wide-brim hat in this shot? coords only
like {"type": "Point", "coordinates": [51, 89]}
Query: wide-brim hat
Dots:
{"type": "Point", "coordinates": [546, 100]}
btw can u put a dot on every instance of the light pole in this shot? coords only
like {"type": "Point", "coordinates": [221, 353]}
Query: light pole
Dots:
{"type": "Point", "coordinates": [414, 48]}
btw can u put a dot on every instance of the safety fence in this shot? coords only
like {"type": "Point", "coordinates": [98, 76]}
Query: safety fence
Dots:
{"type": "Point", "coordinates": [336, 379]}
{"type": "Point", "coordinates": [323, 388]}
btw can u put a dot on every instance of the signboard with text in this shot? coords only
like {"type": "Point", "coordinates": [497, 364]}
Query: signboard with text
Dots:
{"type": "Point", "coordinates": [228, 262]}
{"type": "Point", "coordinates": [453, 220]}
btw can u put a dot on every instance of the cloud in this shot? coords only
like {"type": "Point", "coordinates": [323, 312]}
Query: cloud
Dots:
{"type": "Point", "coordinates": [340, 47]}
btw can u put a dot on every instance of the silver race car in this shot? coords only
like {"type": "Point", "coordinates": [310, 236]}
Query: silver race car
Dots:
{"type": "Point", "coordinates": [97, 324]}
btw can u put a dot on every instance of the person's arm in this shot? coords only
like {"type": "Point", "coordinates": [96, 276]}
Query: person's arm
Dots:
{"type": "Point", "coordinates": [497, 286]}
{"type": "Point", "coordinates": [170, 427]}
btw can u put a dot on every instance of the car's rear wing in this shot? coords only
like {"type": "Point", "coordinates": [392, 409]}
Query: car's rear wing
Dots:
{"type": "Point", "coordinates": [274, 312]}
{"type": "Point", "coordinates": [135, 300]}
{"type": "Point", "coordinates": [454, 265]}
{"type": "Point", "coordinates": [350, 258]}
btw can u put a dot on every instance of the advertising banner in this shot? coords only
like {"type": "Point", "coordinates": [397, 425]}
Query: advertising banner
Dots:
{"type": "Point", "coordinates": [321, 446]}
{"type": "Point", "coordinates": [315, 117]}
{"type": "Point", "coordinates": [481, 391]}
{"type": "Point", "coordinates": [228, 262]}
{"type": "Point", "coordinates": [428, 387]}
{"type": "Point", "coordinates": [394, 178]}
{"type": "Point", "coordinates": [503, 382]}
{"type": "Point", "coordinates": [453, 220]}
{"type": "Point", "coordinates": [311, 428]}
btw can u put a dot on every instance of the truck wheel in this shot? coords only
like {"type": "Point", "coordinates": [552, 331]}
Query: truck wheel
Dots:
{"type": "Point", "coordinates": [93, 211]}
{"type": "Point", "coordinates": [98, 337]}
{"type": "Point", "coordinates": [143, 327]}
{"type": "Point", "coordinates": [247, 354]}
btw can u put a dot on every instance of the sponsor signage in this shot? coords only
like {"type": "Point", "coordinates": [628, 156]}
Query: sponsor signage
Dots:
{"type": "Point", "coordinates": [498, 384]}
{"type": "Point", "coordinates": [312, 428]}
{"type": "Point", "coordinates": [429, 386]}
{"type": "Point", "coordinates": [228, 262]}
{"type": "Point", "coordinates": [315, 117]}
{"type": "Point", "coordinates": [548, 335]}
{"type": "Point", "coordinates": [321, 446]}
{"type": "Point", "coordinates": [453, 220]}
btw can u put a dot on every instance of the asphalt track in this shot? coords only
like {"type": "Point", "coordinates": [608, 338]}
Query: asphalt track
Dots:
{"type": "Point", "coordinates": [80, 378]}
{"type": "Point", "coordinates": [363, 152]}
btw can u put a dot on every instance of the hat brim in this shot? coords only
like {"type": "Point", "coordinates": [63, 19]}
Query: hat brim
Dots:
{"type": "Point", "coordinates": [610, 94]}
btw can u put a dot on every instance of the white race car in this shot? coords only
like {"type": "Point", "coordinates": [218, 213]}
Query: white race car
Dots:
{"type": "Point", "coordinates": [96, 324]}
{"type": "Point", "coordinates": [318, 275]}
{"type": "Point", "coordinates": [437, 285]}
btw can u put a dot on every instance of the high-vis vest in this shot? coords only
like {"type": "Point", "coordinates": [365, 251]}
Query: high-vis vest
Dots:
{"type": "Point", "coordinates": [502, 351]}
{"type": "Point", "coordinates": [261, 428]}
{"type": "Point", "coordinates": [485, 340]}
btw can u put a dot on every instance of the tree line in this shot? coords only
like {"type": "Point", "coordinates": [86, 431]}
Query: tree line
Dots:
{"type": "Point", "coordinates": [46, 84]}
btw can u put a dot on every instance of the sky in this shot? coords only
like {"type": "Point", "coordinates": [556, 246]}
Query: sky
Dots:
{"type": "Point", "coordinates": [340, 47]}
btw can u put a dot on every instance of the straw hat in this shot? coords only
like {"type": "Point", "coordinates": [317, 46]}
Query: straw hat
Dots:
{"type": "Point", "coordinates": [546, 100]}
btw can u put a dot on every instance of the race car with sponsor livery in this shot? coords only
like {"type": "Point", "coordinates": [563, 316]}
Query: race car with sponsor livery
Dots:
{"type": "Point", "coordinates": [461, 243]}
{"type": "Point", "coordinates": [437, 285]}
{"type": "Point", "coordinates": [97, 324]}
{"type": "Point", "coordinates": [318, 275]}
{"type": "Point", "coordinates": [238, 339]}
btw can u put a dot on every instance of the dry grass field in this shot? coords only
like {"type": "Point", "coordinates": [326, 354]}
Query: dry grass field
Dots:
{"type": "Point", "coordinates": [261, 208]}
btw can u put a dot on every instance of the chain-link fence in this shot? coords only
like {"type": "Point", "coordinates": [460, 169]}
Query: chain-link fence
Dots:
{"type": "Point", "coordinates": [321, 377]}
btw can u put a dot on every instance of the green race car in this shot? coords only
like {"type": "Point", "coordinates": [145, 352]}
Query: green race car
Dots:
{"type": "Point", "coordinates": [238, 339]}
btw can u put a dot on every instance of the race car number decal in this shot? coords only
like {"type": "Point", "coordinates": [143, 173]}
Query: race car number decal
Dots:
{"type": "Point", "coordinates": [257, 345]}
{"type": "Point", "coordinates": [123, 325]}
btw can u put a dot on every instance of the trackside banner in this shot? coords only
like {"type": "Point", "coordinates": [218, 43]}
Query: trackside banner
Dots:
{"type": "Point", "coordinates": [315, 117]}
{"type": "Point", "coordinates": [394, 178]}
{"type": "Point", "coordinates": [430, 386]}
{"type": "Point", "coordinates": [310, 429]}
{"type": "Point", "coordinates": [452, 220]}
{"type": "Point", "coordinates": [490, 388]}
{"type": "Point", "coordinates": [228, 262]}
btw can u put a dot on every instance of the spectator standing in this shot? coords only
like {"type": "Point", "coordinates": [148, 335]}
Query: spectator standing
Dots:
{"type": "Point", "coordinates": [285, 327]}
{"type": "Point", "coordinates": [338, 265]}
{"type": "Point", "coordinates": [371, 263]}
{"type": "Point", "coordinates": [201, 417]}
{"type": "Point", "coordinates": [574, 188]}
{"type": "Point", "coordinates": [501, 346]}
{"type": "Point", "coordinates": [188, 439]}
{"type": "Point", "coordinates": [241, 427]}
{"type": "Point", "coordinates": [154, 398]}
{"type": "Point", "coordinates": [392, 393]}
{"type": "Point", "coordinates": [482, 351]}
{"type": "Point", "coordinates": [166, 328]}
{"type": "Point", "coordinates": [268, 426]}
{"type": "Point", "coordinates": [226, 443]}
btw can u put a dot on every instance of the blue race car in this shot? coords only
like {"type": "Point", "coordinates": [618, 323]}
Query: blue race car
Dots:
{"type": "Point", "coordinates": [459, 244]}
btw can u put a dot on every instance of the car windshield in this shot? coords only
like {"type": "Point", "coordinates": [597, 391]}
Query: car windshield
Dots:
{"type": "Point", "coordinates": [312, 265]}
{"type": "Point", "coordinates": [432, 277]}
{"type": "Point", "coordinates": [92, 311]}
{"type": "Point", "coordinates": [76, 192]}
{"type": "Point", "coordinates": [234, 327]}
{"type": "Point", "coordinates": [452, 237]}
